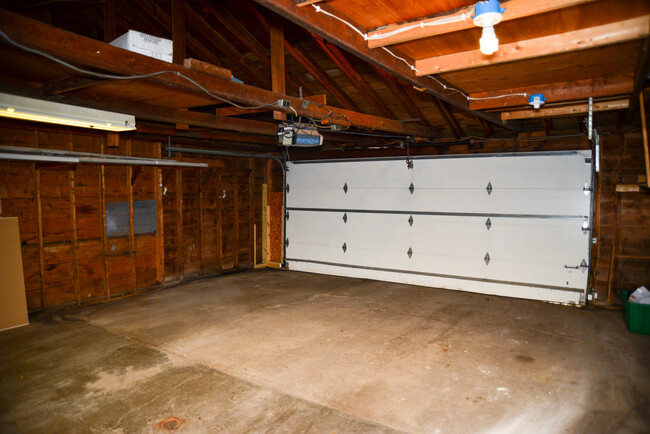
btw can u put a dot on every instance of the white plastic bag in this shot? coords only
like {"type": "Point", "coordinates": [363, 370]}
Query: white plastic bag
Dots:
{"type": "Point", "coordinates": [641, 295]}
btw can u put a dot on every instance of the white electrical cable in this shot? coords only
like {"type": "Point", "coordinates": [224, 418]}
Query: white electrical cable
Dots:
{"type": "Point", "coordinates": [420, 25]}
{"type": "Point", "coordinates": [352, 26]}
{"type": "Point", "coordinates": [456, 18]}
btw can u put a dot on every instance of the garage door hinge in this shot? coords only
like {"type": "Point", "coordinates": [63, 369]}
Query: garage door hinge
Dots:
{"type": "Point", "coordinates": [288, 188]}
{"type": "Point", "coordinates": [344, 247]}
{"type": "Point", "coordinates": [411, 221]}
{"type": "Point", "coordinates": [487, 259]}
{"type": "Point", "coordinates": [286, 216]}
{"type": "Point", "coordinates": [488, 224]}
{"type": "Point", "coordinates": [582, 267]}
{"type": "Point", "coordinates": [411, 188]}
{"type": "Point", "coordinates": [410, 252]}
{"type": "Point", "coordinates": [345, 188]}
{"type": "Point", "coordinates": [585, 227]}
{"type": "Point", "coordinates": [345, 218]}
{"type": "Point", "coordinates": [489, 188]}
{"type": "Point", "coordinates": [286, 242]}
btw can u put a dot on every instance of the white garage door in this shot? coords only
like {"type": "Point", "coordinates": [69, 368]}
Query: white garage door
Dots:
{"type": "Point", "coordinates": [512, 225]}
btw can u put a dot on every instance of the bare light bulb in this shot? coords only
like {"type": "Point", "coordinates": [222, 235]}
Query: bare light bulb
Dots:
{"type": "Point", "coordinates": [489, 41]}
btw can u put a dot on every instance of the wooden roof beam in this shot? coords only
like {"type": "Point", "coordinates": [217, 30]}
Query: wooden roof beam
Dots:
{"type": "Point", "coordinates": [197, 22]}
{"type": "Point", "coordinates": [321, 77]}
{"type": "Point", "coordinates": [90, 53]}
{"type": "Point", "coordinates": [69, 84]}
{"type": "Point", "coordinates": [567, 110]}
{"type": "Point", "coordinates": [486, 127]}
{"type": "Point", "coordinates": [339, 59]}
{"type": "Point", "coordinates": [640, 76]}
{"type": "Point", "coordinates": [393, 84]}
{"type": "Point", "coordinates": [608, 34]}
{"type": "Point", "coordinates": [556, 92]}
{"type": "Point", "coordinates": [514, 9]}
{"type": "Point", "coordinates": [245, 37]}
{"type": "Point", "coordinates": [340, 34]}
{"type": "Point", "coordinates": [448, 116]}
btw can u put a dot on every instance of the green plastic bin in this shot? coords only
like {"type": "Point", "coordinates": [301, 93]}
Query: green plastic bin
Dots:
{"type": "Point", "coordinates": [635, 315]}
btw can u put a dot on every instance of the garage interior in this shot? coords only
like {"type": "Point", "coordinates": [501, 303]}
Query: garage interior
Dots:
{"type": "Point", "coordinates": [323, 215]}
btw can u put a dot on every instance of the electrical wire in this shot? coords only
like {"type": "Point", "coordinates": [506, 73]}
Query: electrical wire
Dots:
{"type": "Point", "coordinates": [421, 25]}
{"type": "Point", "coordinates": [366, 37]}
{"type": "Point", "coordinates": [130, 77]}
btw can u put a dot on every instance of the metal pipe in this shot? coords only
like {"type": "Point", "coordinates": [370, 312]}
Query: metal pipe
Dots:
{"type": "Point", "coordinates": [280, 161]}
{"type": "Point", "coordinates": [37, 158]}
{"type": "Point", "coordinates": [60, 156]}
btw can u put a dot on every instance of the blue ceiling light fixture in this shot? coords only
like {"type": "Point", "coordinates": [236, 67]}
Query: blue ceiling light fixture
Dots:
{"type": "Point", "coordinates": [486, 15]}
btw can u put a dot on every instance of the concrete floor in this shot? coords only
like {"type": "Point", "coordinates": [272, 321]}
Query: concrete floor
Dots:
{"type": "Point", "coordinates": [291, 352]}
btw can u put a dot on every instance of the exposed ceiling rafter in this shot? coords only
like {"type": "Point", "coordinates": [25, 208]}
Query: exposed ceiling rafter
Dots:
{"type": "Point", "coordinates": [340, 34]}
{"type": "Point", "coordinates": [608, 34]}
{"type": "Point", "coordinates": [514, 9]}
{"type": "Point", "coordinates": [91, 53]}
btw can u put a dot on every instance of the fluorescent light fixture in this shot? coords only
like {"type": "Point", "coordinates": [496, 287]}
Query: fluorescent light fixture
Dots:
{"type": "Point", "coordinates": [486, 15]}
{"type": "Point", "coordinates": [30, 109]}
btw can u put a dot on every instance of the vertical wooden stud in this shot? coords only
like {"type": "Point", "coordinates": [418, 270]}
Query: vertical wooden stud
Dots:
{"type": "Point", "coordinates": [110, 20]}
{"type": "Point", "coordinates": [644, 126]}
{"type": "Point", "coordinates": [178, 31]}
{"type": "Point", "coordinates": [160, 235]}
{"type": "Point", "coordinates": [102, 200]}
{"type": "Point", "coordinates": [74, 240]}
{"type": "Point", "coordinates": [265, 229]}
{"type": "Point", "coordinates": [39, 221]}
{"type": "Point", "coordinates": [236, 206]}
{"type": "Point", "coordinates": [201, 231]}
{"type": "Point", "coordinates": [251, 211]}
{"type": "Point", "coordinates": [179, 228]}
{"type": "Point", "coordinates": [219, 226]}
{"type": "Point", "coordinates": [129, 192]}
{"type": "Point", "coordinates": [278, 84]}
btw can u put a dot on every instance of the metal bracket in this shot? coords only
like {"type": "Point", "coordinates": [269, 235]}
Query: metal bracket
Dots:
{"type": "Point", "coordinates": [590, 119]}
{"type": "Point", "coordinates": [489, 188]}
{"type": "Point", "coordinates": [410, 220]}
{"type": "Point", "coordinates": [410, 252]}
{"type": "Point", "coordinates": [345, 218]}
{"type": "Point", "coordinates": [286, 242]}
{"type": "Point", "coordinates": [344, 247]}
{"type": "Point", "coordinates": [488, 224]}
{"type": "Point", "coordinates": [487, 259]}
{"type": "Point", "coordinates": [288, 188]}
{"type": "Point", "coordinates": [585, 227]}
{"type": "Point", "coordinates": [286, 216]}
{"type": "Point", "coordinates": [345, 188]}
{"type": "Point", "coordinates": [411, 188]}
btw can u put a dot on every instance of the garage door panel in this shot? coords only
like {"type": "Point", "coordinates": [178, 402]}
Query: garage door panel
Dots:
{"type": "Point", "coordinates": [523, 236]}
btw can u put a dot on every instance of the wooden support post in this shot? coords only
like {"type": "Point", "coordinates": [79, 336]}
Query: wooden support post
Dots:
{"type": "Point", "coordinates": [646, 151]}
{"type": "Point", "coordinates": [178, 31]}
{"type": "Point", "coordinates": [277, 62]}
